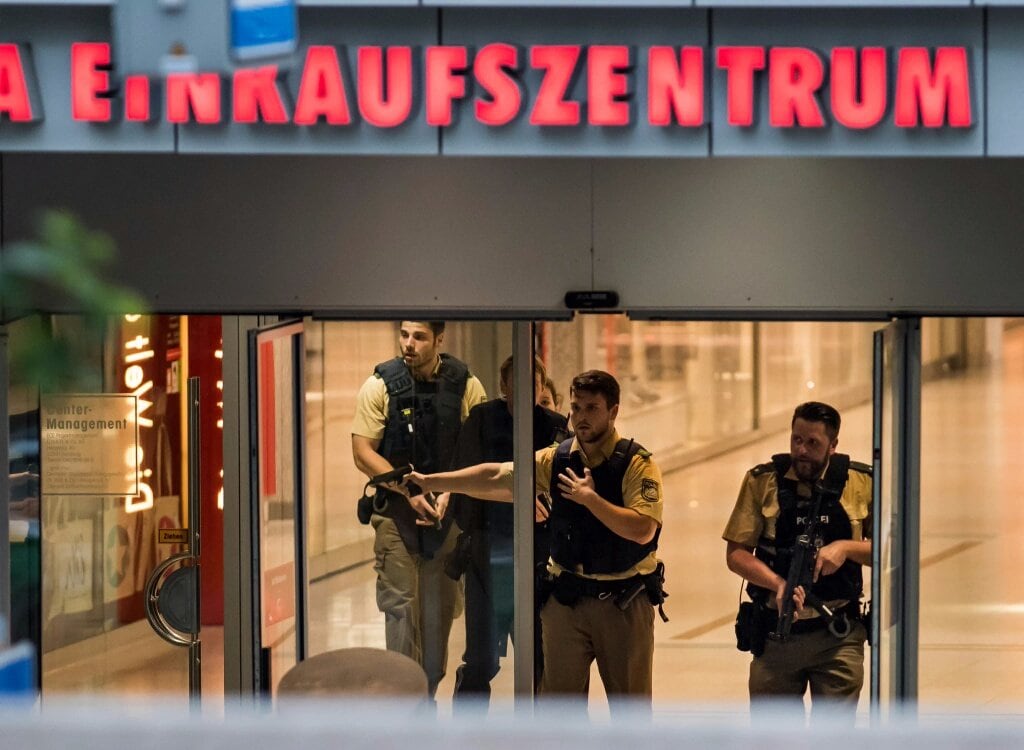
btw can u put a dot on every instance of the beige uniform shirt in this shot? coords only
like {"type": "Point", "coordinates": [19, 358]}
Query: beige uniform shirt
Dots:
{"type": "Point", "coordinates": [372, 404]}
{"type": "Point", "coordinates": [641, 491]}
{"type": "Point", "coordinates": [757, 507]}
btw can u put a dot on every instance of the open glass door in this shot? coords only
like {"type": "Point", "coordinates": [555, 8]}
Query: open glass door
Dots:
{"type": "Point", "coordinates": [895, 553]}
{"type": "Point", "coordinates": [279, 569]}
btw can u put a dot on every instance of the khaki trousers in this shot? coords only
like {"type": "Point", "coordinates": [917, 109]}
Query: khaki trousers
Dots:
{"type": "Point", "coordinates": [418, 600]}
{"type": "Point", "coordinates": [622, 643]}
{"type": "Point", "coordinates": [833, 668]}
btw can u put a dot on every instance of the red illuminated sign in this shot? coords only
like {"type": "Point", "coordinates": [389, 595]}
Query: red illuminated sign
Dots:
{"type": "Point", "coordinates": [855, 88]}
{"type": "Point", "coordinates": [16, 87]}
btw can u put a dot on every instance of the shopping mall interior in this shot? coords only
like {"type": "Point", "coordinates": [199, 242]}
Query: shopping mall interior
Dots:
{"type": "Point", "coordinates": [710, 399]}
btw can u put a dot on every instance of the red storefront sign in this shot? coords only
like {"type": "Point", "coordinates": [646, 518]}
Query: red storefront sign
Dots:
{"type": "Point", "coordinates": [928, 88]}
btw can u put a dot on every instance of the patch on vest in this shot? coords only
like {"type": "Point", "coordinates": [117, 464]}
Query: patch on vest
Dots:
{"type": "Point", "coordinates": [649, 490]}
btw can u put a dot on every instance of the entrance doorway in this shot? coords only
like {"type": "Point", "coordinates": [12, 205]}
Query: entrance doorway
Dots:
{"type": "Point", "coordinates": [710, 399]}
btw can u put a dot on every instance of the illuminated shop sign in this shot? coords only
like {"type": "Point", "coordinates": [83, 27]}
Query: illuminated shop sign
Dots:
{"type": "Point", "coordinates": [857, 88]}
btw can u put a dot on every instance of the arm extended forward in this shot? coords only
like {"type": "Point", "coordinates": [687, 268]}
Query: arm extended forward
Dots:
{"type": "Point", "coordinates": [490, 481]}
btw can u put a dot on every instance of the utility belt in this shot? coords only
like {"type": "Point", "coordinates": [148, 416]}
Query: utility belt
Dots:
{"type": "Point", "coordinates": [755, 621]}
{"type": "Point", "coordinates": [850, 610]}
{"type": "Point", "coordinates": [568, 589]}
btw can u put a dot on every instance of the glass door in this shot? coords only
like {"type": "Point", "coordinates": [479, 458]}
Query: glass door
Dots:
{"type": "Point", "coordinates": [277, 422]}
{"type": "Point", "coordinates": [895, 553]}
{"type": "Point", "coordinates": [105, 462]}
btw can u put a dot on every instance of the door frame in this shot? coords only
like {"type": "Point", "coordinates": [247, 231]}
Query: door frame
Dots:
{"type": "Point", "coordinates": [241, 650]}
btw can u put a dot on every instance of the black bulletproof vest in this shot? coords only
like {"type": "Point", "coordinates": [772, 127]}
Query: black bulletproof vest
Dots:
{"type": "Point", "coordinates": [496, 429]}
{"type": "Point", "coordinates": [845, 583]}
{"type": "Point", "coordinates": [580, 542]}
{"type": "Point", "coordinates": [422, 428]}
{"type": "Point", "coordinates": [424, 417]}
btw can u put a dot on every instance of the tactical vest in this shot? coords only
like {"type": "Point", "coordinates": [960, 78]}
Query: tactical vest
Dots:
{"type": "Point", "coordinates": [847, 582]}
{"type": "Point", "coordinates": [423, 422]}
{"type": "Point", "coordinates": [580, 542]}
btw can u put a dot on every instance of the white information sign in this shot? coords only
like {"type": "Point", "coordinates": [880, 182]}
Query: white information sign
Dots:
{"type": "Point", "coordinates": [90, 444]}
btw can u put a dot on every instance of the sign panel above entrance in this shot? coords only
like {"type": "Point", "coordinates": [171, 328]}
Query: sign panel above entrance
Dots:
{"type": "Point", "coordinates": [522, 82]}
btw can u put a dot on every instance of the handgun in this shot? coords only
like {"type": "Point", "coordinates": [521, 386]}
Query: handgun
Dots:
{"type": "Point", "coordinates": [432, 499]}
{"type": "Point", "coordinates": [391, 477]}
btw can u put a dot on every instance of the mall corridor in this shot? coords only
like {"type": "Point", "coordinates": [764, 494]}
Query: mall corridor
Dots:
{"type": "Point", "coordinates": [972, 549]}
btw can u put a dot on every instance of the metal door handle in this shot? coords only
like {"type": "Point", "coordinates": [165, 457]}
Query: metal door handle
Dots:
{"type": "Point", "coordinates": [151, 599]}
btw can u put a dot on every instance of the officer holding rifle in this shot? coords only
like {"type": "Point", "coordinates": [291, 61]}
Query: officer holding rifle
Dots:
{"type": "Point", "coordinates": [799, 534]}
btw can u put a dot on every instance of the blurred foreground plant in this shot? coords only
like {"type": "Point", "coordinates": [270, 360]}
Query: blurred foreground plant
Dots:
{"type": "Point", "coordinates": [61, 270]}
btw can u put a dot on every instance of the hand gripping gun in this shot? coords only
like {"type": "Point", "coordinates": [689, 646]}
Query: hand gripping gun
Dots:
{"type": "Point", "coordinates": [801, 573]}
{"type": "Point", "coordinates": [395, 476]}
{"type": "Point", "coordinates": [372, 501]}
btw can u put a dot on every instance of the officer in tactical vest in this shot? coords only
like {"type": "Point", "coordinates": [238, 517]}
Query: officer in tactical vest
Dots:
{"type": "Point", "coordinates": [810, 507]}
{"type": "Point", "coordinates": [484, 550]}
{"type": "Point", "coordinates": [410, 411]}
{"type": "Point", "coordinates": [605, 523]}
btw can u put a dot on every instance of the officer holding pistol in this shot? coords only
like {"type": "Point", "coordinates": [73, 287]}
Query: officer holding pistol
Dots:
{"type": "Point", "coordinates": [410, 411]}
{"type": "Point", "coordinates": [811, 505]}
{"type": "Point", "coordinates": [605, 523]}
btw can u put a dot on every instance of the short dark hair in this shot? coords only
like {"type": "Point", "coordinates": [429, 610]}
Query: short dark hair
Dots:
{"type": "Point", "coordinates": [436, 326]}
{"type": "Point", "coordinates": [539, 371]}
{"type": "Point", "coordinates": [597, 381]}
{"type": "Point", "coordinates": [816, 411]}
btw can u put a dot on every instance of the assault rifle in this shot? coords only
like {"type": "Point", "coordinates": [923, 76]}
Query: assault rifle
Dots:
{"type": "Point", "coordinates": [801, 573]}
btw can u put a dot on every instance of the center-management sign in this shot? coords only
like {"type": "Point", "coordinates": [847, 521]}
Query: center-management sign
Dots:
{"type": "Point", "coordinates": [856, 88]}
{"type": "Point", "coordinates": [89, 443]}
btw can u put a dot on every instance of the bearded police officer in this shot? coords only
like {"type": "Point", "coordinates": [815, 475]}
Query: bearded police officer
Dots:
{"type": "Point", "coordinates": [410, 411]}
{"type": "Point", "coordinates": [771, 525]}
{"type": "Point", "coordinates": [605, 523]}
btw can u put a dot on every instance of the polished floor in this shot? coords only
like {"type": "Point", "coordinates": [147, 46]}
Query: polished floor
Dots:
{"type": "Point", "coordinates": [972, 594]}
{"type": "Point", "coordinates": [972, 547]}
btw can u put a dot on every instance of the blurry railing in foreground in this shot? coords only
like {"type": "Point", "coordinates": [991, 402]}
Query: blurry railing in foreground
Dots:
{"type": "Point", "coordinates": [356, 725]}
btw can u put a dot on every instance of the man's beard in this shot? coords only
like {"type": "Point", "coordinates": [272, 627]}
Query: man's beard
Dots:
{"type": "Point", "coordinates": [808, 471]}
{"type": "Point", "coordinates": [596, 437]}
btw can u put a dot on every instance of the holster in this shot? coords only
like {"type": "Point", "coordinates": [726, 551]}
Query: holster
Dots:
{"type": "Point", "coordinates": [751, 627]}
{"type": "Point", "coordinates": [543, 585]}
{"type": "Point", "coordinates": [364, 509]}
{"type": "Point", "coordinates": [458, 560]}
{"type": "Point", "coordinates": [655, 585]}
{"type": "Point", "coordinates": [865, 618]}
{"type": "Point", "coordinates": [366, 506]}
{"type": "Point", "coordinates": [567, 589]}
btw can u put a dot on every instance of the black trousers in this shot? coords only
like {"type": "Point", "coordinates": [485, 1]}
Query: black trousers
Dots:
{"type": "Point", "coordinates": [490, 618]}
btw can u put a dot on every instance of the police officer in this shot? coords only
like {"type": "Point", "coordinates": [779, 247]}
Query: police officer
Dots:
{"type": "Point", "coordinates": [410, 411]}
{"type": "Point", "coordinates": [776, 499]}
{"type": "Point", "coordinates": [605, 523]}
{"type": "Point", "coordinates": [484, 551]}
